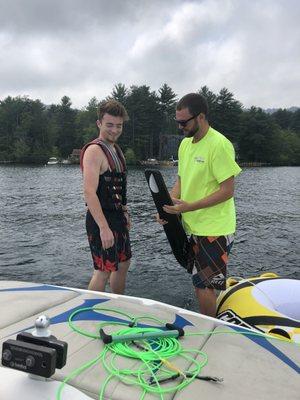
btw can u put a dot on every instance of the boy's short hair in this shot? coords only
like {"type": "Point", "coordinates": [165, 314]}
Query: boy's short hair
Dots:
{"type": "Point", "coordinates": [112, 107]}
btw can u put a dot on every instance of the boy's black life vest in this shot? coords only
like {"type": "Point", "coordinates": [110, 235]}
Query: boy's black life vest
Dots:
{"type": "Point", "coordinates": [112, 185]}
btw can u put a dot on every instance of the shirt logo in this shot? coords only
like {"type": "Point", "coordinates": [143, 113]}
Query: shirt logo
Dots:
{"type": "Point", "coordinates": [199, 159]}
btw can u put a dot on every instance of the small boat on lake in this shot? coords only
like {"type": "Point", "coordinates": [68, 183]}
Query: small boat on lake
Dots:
{"type": "Point", "coordinates": [52, 161]}
{"type": "Point", "coordinates": [149, 162]}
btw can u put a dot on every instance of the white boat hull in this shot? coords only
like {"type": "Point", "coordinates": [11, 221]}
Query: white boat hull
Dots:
{"type": "Point", "coordinates": [252, 367]}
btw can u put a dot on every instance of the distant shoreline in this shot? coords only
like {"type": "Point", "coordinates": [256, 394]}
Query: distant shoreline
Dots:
{"type": "Point", "coordinates": [160, 164]}
{"type": "Point", "coordinates": [258, 164]}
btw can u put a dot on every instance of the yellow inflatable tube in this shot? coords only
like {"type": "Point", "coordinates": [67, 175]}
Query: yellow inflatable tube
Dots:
{"type": "Point", "coordinates": [268, 303]}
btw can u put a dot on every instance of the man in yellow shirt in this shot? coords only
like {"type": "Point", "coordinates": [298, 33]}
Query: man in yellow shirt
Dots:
{"type": "Point", "coordinates": [203, 195]}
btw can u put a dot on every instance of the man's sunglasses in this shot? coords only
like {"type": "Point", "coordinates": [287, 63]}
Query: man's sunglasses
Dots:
{"type": "Point", "coordinates": [185, 122]}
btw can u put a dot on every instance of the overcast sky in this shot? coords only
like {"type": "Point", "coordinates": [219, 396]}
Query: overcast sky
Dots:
{"type": "Point", "coordinates": [81, 49]}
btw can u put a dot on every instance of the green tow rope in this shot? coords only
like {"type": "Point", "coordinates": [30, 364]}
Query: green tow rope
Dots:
{"type": "Point", "coordinates": [155, 356]}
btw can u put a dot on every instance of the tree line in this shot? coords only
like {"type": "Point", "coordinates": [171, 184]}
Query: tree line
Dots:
{"type": "Point", "coordinates": [31, 132]}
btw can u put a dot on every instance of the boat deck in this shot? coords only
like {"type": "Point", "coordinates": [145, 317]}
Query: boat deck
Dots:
{"type": "Point", "coordinates": [251, 366]}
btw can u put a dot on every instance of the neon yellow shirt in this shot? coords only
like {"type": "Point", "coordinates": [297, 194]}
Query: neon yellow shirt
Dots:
{"type": "Point", "coordinates": [202, 166]}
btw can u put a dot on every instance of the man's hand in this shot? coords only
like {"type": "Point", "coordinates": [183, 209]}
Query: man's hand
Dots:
{"type": "Point", "coordinates": [160, 220]}
{"type": "Point", "coordinates": [107, 237]}
{"type": "Point", "coordinates": [179, 207]}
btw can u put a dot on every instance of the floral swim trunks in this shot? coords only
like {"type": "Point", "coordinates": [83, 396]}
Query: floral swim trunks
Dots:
{"type": "Point", "coordinates": [109, 259]}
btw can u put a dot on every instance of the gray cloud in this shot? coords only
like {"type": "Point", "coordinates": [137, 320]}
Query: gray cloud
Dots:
{"type": "Point", "coordinates": [82, 48]}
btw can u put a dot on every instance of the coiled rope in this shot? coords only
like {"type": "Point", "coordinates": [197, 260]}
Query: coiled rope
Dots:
{"type": "Point", "coordinates": [158, 359]}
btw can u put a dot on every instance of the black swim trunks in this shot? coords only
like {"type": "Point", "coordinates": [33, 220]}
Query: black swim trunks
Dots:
{"type": "Point", "coordinates": [108, 259]}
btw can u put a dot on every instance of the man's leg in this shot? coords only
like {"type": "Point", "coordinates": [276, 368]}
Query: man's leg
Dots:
{"type": "Point", "coordinates": [118, 278]}
{"type": "Point", "coordinates": [207, 301]}
{"type": "Point", "coordinates": [98, 281]}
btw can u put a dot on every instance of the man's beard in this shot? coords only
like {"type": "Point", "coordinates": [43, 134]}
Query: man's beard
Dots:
{"type": "Point", "coordinates": [192, 131]}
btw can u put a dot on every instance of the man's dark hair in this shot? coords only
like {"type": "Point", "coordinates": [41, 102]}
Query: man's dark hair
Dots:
{"type": "Point", "coordinates": [112, 107]}
{"type": "Point", "coordinates": [195, 103]}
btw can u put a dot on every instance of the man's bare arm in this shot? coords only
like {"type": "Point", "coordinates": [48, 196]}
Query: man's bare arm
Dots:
{"type": "Point", "coordinates": [93, 163]}
{"type": "Point", "coordinates": [225, 192]}
{"type": "Point", "coordinates": [176, 190]}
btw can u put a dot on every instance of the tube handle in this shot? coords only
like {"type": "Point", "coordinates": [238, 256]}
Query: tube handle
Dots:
{"type": "Point", "coordinates": [138, 336]}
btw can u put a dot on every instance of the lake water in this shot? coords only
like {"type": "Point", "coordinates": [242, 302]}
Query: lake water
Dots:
{"type": "Point", "coordinates": [42, 230]}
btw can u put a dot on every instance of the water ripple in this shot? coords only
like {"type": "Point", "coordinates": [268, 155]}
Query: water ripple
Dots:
{"type": "Point", "coordinates": [42, 230]}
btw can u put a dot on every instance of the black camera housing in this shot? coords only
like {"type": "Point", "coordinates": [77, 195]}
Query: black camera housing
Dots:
{"type": "Point", "coordinates": [34, 355]}
{"type": "Point", "coordinates": [51, 342]}
{"type": "Point", "coordinates": [29, 357]}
